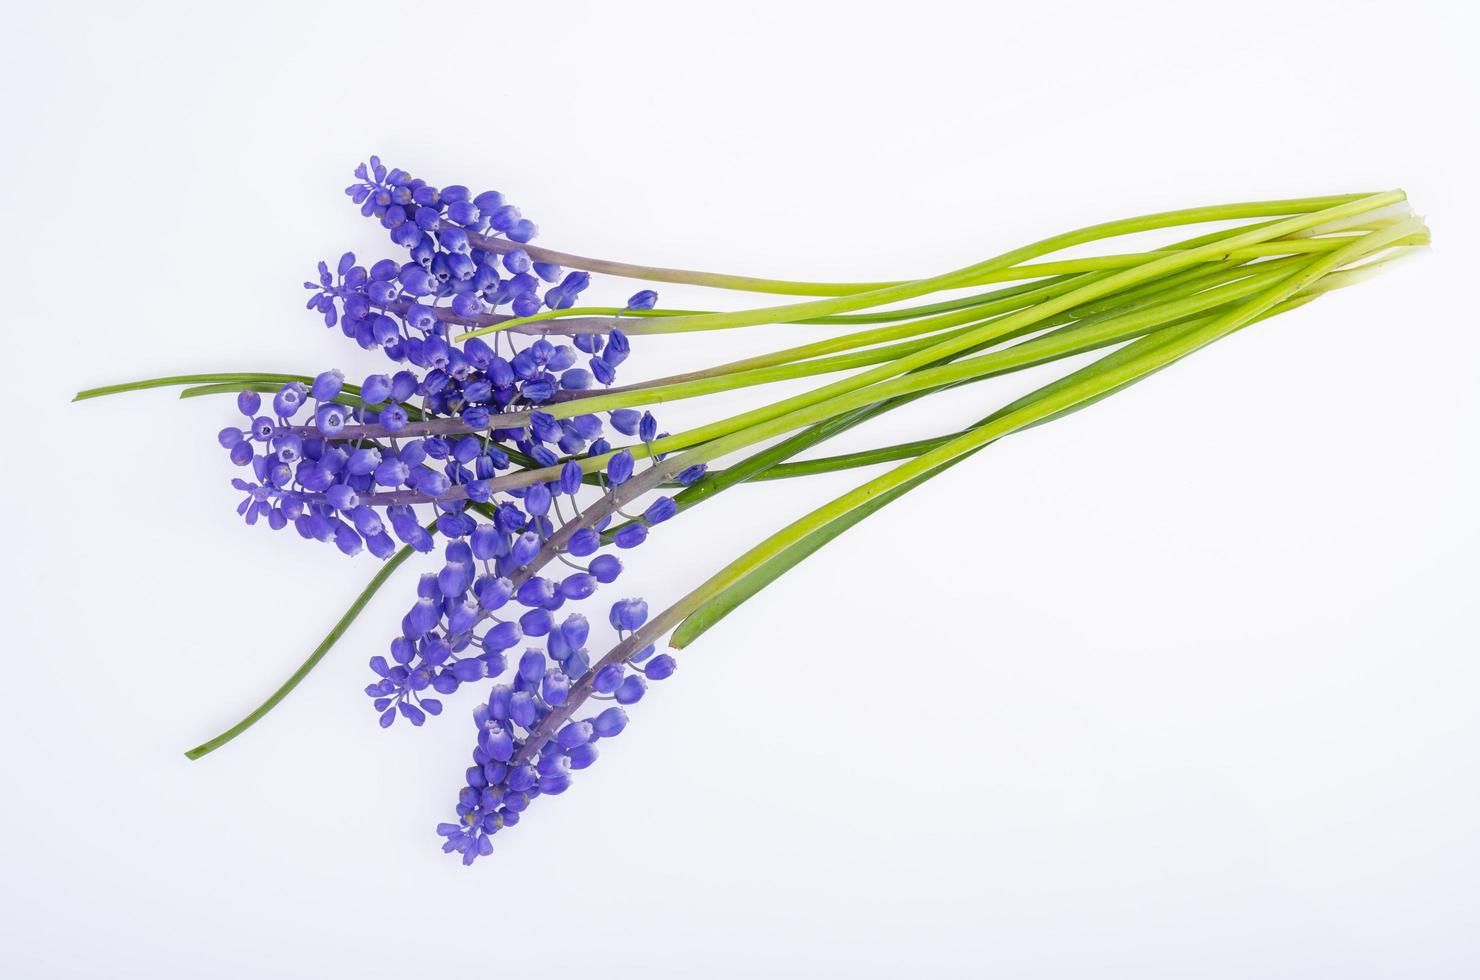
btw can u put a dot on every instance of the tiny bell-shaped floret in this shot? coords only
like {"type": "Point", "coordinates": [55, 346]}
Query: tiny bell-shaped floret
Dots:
{"type": "Point", "coordinates": [610, 722]}
{"type": "Point", "coordinates": [555, 686]}
{"type": "Point", "coordinates": [629, 614]}
{"type": "Point", "coordinates": [606, 568]}
{"type": "Point", "coordinates": [583, 755]}
{"type": "Point", "coordinates": [525, 547]}
{"type": "Point", "coordinates": [608, 678]}
{"type": "Point", "coordinates": [619, 470]}
{"type": "Point", "coordinates": [327, 385]}
{"type": "Point", "coordinates": [631, 690]}
{"type": "Point", "coordinates": [575, 733]}
{"type": "Point", "coordinates": [532, 666]}
{"type": "Point", "coordinates": [660, 667]}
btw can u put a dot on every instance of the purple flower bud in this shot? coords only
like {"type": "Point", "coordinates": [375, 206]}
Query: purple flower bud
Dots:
{"type": "Point", "coordinates": [576, 664]}
{"type": "Point", "coordinates": [583, 755]}
{"type": "Point", "coordinates": [606, 568]}
{"type": "Point", "coordinates": [403, 385]}
{"type": "Point", "coordinates": [631, 690]}
{"type": "Point", "coordinates": [248, 402]}
{"type": "Point", "coordinates": [610, 722]}
{"type": "Point", "coordinates": [493, 593]}
{"type": "Point", "coordinates": [660, 510]}
{"type": "Point", "coordinates": [498, 742]}
{"type": "Point", "coordinates": [644, 299]}
{"type": "Point", "coordinates": [536, 592]}
{"type": "Point", "coordinates": [576, 379]}
{"type": "Point", "coordinates": [660, 667]}
{"type": "Point", "coordinates": [619, 469]}
{"type": "Point", "coordinates": [525, 547]}
{"type": "Point", "coordinates": [453, 579]}
{"type": "Point", "coordinates": [467, 670]}
{"type": "Point", "coordinates": [555, 686]}
{"type": "Point", "coordinates": [367, 521]}
{"type": "Point", "coordinates": [536, 622]}
{"type": "Point", "coordinates": [629, 614]}
{"type": "Point", "coordinates": [425, 615]}
{"type": "Point", "coordinates": [532, 666]}
{"type": "Point", "coordinates": [501, 217]}
{"type": "Point", "coordinates": [607, 678]}
{"type": "Point", "coordinates": [537, 500]}
{"type": "Point", "coordinates": [584, 542]}
{"type": "Point", "coordinates": [454, 239]}
{"type": "Point", "coordinates": [574, 734]}
{"type": "Point", "coordinates": [575, 630]}
{"type": "Point", "coordinates": [485, 541]}
{"type": "Point", "coordinates": [555, 783]}
{"type": "Point", "coordinates": [375, 388]}
{"type": "Point", "coordinates": [403, 651]}
{"type": "Point", "coordinates": [521, 778]}
{"type": "Point", "coordinates": [341, 497]}
{"type": "Point", "coordinates": [327, 385]}
{"type": "Point", "coordinates": [522, 710]}
{"type": "Point", "coordinates": [417, 282]}
{"type": "Point", "coordinates": [523, 231]}
{"type": "Point", "coordinates": [363, 461]}
{"type": "Point", "coordinates": [570, 477]}
{"type": "Point", "coordinates": [630, 536]}
{"type": "Point", "coordinates": [391, 473]}
{"type": "Point", "coordinates": [517, 261]}
{"type": "Point", "coordinates": [502, 636]}
{"type": "Point", "coordinates": [498, 702]}
{"type": "Point", "coordinates": [578, 586]}
{"type": "Point", "coordinates": [626, 420]}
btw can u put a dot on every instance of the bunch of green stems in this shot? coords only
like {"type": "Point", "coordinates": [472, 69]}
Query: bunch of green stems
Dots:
{"type": "Point", "coordinates": [1149, 308]}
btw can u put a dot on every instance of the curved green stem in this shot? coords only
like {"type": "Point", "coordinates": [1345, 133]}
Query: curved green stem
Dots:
{"type": "Point", "coordinates": [381, 577]}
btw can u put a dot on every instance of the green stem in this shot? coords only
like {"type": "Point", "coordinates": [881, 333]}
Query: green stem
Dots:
{"type": "Point", "coordinates": [727, 588]}
{"type": "Point", "coordinates": [652, 321]}
{"type": "Point", "coordinates": [747, 428]}
{"type": "Point", "coordinates": [256, 715]}
{"type": "Point", "coordinates": [188, 379]}
{"type": "Point", "coordinates": [1329, 208]}
{"type": "Point", "coordinates": [734, 380]}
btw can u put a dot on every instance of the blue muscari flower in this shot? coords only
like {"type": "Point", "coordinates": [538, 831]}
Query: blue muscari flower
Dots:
{"type": "Point", "coordinates": [361, 474]}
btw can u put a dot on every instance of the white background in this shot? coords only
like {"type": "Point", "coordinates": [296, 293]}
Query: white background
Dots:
{"type": "Point", "coordinates": [1183, 686]}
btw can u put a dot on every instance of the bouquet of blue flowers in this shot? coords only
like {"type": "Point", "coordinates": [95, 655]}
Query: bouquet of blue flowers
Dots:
{"type": "Point", "coordinates": [499, 436]}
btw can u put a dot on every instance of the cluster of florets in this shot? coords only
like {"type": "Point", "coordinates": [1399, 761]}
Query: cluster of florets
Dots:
{"type": "Point", "coordinates": [528, 740]}
{"type": "Point", "coordinates": [353, 465]}
{"type": "Point", "coordinates": [367, 309]}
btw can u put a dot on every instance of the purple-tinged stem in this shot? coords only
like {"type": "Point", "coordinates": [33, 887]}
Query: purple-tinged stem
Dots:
{"type": "Point", "coordinates": [430, 427]}
{"type": "Point", "coordinates": [580, 692]}
{"type": "Point", "coordinates": [568, 326]}
{"type": "Point", "coordinates": [689, 277]}
{"type": "Point", "coordinates": [605, 507]}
